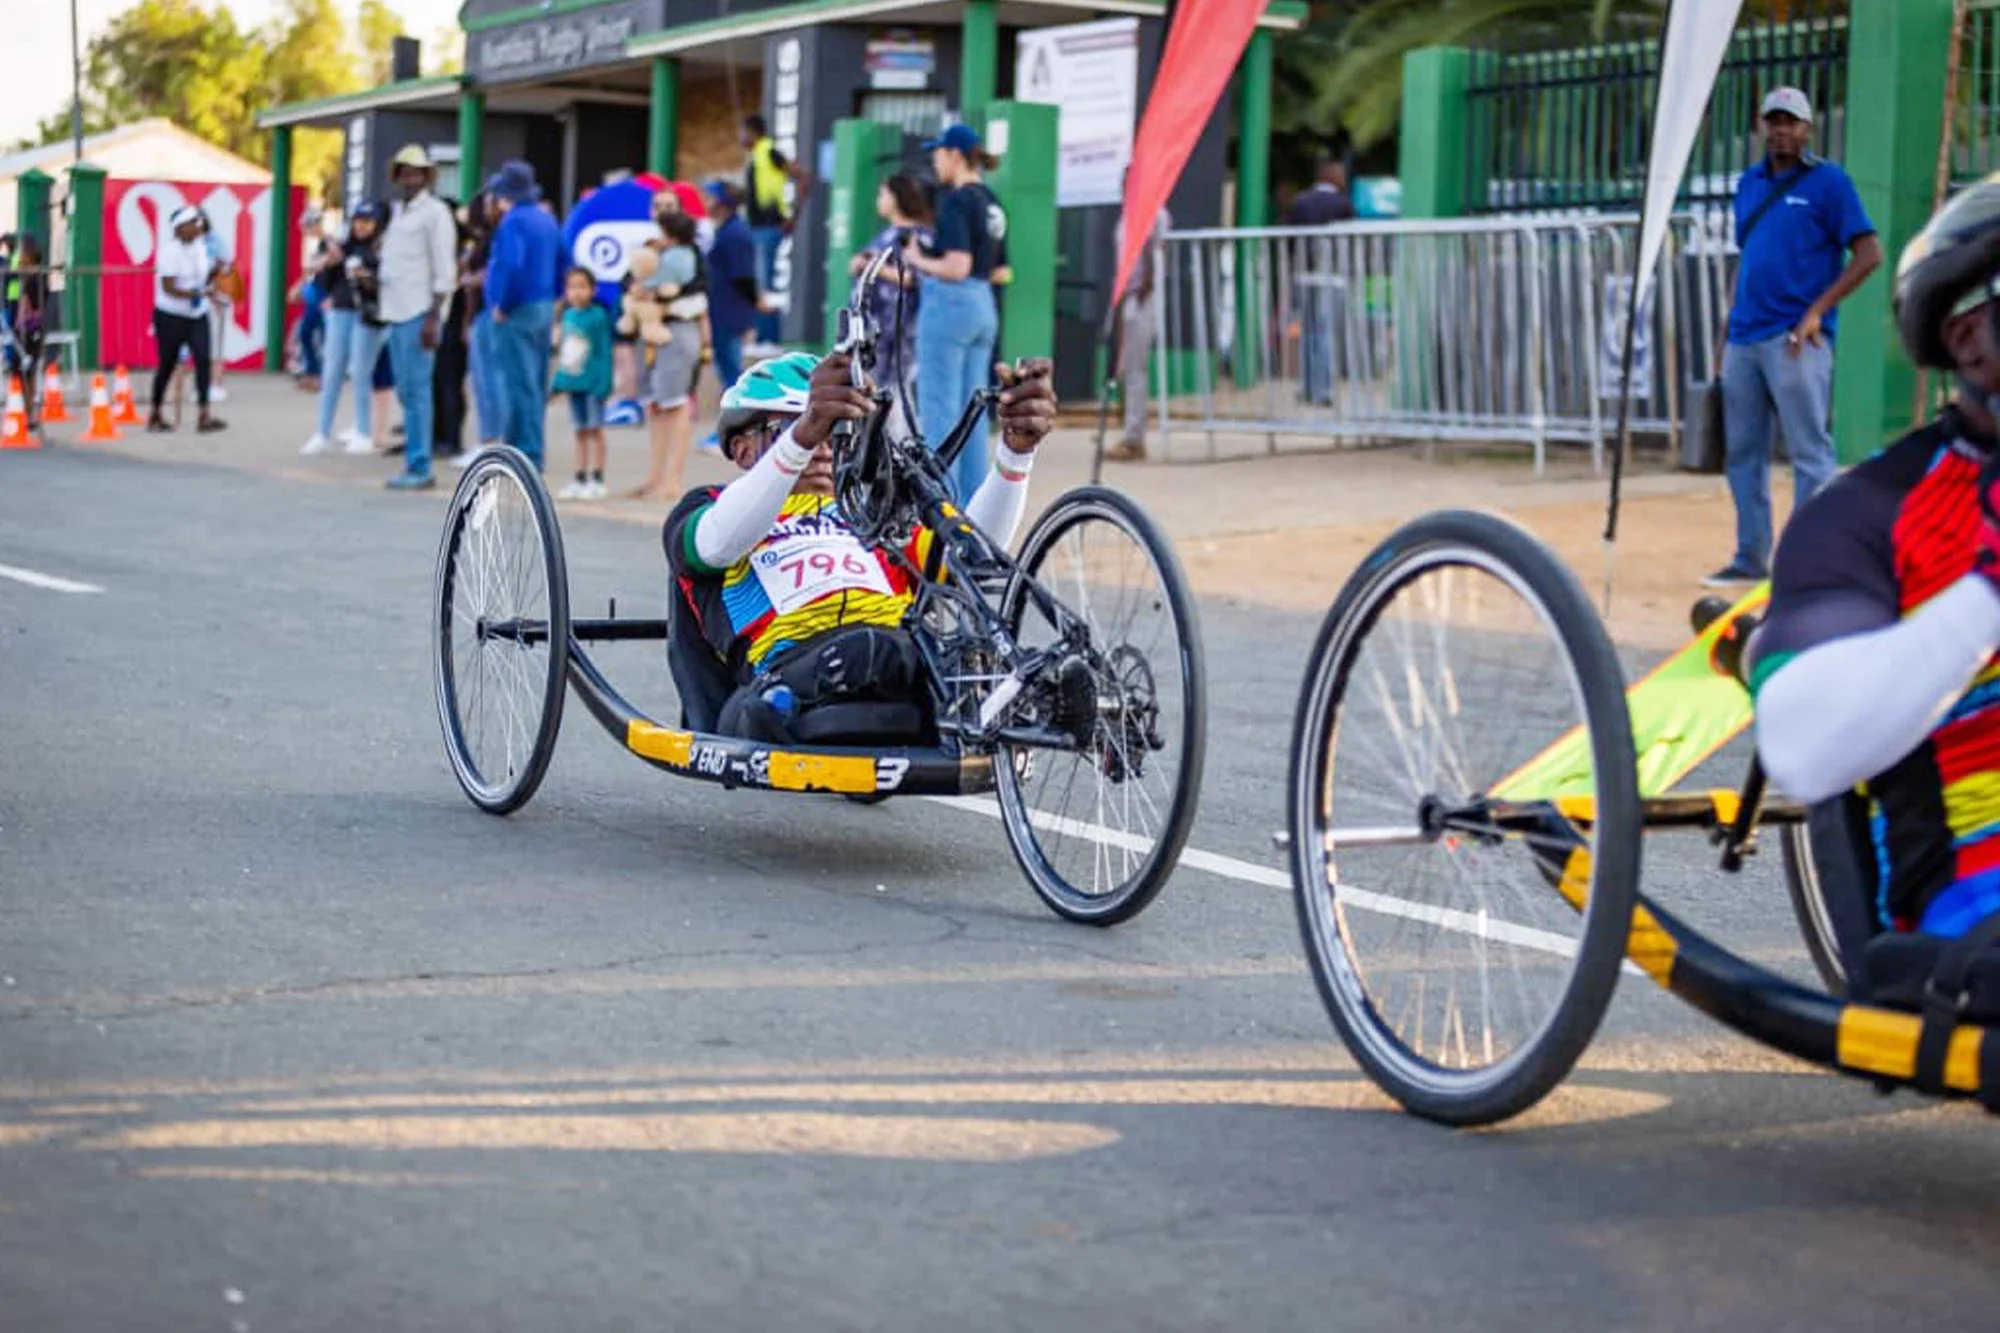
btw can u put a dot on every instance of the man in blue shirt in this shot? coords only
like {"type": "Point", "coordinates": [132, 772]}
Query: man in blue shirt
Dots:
{"type": "Point", "coordinates": [523, 274]}
{"type": "Point", "coordinates": [732, 282]}
{"type": "Point", "coordinates": [1806, 244]}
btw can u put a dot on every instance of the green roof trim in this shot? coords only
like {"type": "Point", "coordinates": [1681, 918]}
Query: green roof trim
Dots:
{"type": "Point", "coordinates": [1284, 14]}
{"type": "Point", "coordinates": [523, 12]}
{"type": "Point", "coordinates": [389, 94]}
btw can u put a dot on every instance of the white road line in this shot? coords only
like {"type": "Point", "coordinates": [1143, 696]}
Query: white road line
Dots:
{"type": "Point", "coordinates": [49, 581]}
{"type": "Point", "coordinates": [1248, 872]}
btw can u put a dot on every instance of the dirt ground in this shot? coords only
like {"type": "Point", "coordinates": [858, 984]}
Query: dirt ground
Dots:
{"type": "Point", "coordinates": [1666, 543]}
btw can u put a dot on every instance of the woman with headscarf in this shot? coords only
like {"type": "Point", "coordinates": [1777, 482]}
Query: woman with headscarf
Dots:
{"type": "Point", "coordinates": [183, 289]}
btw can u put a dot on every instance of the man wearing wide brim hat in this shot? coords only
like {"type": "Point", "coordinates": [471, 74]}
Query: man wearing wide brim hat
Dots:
{"type": "Point", "coordinates": [419, 273]}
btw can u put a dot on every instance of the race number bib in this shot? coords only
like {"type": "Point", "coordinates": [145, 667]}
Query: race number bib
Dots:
{"type": "Point", "coordinates": [801, 570]}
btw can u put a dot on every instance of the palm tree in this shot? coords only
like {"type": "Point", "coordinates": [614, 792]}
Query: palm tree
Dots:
{"type": "Point", "coordinates": [1346, 67]}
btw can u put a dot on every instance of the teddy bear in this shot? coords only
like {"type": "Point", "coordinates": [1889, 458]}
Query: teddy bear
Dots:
{"type": "Point", "coordinates": [643, 312]}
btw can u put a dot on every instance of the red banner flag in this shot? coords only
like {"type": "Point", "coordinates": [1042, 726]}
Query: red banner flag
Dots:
{"type": "Point", "coordinates": [1207, 38]}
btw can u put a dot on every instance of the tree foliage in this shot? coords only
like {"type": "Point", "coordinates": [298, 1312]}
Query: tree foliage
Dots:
{"type": "Point", "coordinates": [1342, 77]}
{"type": "Point", "coordinates": [190, 62]}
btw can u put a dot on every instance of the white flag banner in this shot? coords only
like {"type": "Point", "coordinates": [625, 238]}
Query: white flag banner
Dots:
{"type": "Point", "coordinates": [1698, 33]}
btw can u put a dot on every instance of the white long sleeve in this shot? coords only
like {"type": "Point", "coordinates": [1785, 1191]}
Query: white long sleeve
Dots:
{"type": "Point", "coordinates": [1848, 710]}
{"type": "Point", "coordinates": [997, 506]}
{"type": "Point", "coordinates": [743, 514]}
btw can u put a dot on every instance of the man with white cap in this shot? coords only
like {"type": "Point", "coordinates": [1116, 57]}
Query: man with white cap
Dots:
{"type": "Point", "coordinates": [419, 274]}
{"type": "Point", "coordinates": [183, 290]}
{"type": "Point", "coordinates": [1806, 244]}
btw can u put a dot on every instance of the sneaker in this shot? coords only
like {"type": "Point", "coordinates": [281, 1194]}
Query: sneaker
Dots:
{"type": "Point", "coordinates": [596, 489]}
{"type": "Point", "coordinates": [357, 443]}
{"type": "Point", "coordinates": [217, 394]}
{"type": "Point", "coordinates": [318, 444]}
{"type": "Point", "coordinates": [1734, 575]}
{"type": "Point", "coordinates": [464, 460]}
{"type": "Point", "coordinates": [411, 481]}
{"type": "Point", "coordinates": [1126, 451]}
{"type": "Point", "coordinates": [574, 490]}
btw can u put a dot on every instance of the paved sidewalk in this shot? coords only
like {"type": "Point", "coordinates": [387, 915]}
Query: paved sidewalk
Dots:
{"type": "Point", "coordinates": [1281, 529]}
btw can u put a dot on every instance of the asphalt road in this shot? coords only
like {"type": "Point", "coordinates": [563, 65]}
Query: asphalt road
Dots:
{"type": "Point", "coordinates": [292, 1037]}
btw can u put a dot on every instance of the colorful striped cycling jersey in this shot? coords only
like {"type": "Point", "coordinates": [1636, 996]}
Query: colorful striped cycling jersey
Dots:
{"type": "Point", "coordinates": [1878, 543]}
{"type": "Point", "coordinates": [808, 575]}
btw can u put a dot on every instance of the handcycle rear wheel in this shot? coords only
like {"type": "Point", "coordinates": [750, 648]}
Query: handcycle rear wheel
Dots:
{"type": "Point", "coordinates": [501, 648]}
{"type": "Point", "coordinates": [1098, 830]}
{"type": "Point", "coordinates": [1439, 937]}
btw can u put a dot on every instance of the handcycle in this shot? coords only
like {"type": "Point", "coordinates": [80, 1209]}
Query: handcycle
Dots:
{"type": "Point", "coordinates": [1471, 783]}
{"type": "Point", "coordinates": [1067, 680]}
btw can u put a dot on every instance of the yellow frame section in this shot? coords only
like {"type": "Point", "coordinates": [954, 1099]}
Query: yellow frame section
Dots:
{"type": "Point", "coordinates": [847, 774]}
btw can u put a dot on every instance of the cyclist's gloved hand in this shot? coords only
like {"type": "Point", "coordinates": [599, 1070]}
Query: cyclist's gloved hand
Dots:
{"type": "Point", "coordinates": [1027, 403]}
{"type": "Point", "coordinates": [831, 398]}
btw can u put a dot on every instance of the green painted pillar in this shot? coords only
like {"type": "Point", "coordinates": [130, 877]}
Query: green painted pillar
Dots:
{"type": "Point", "coordinates": [277, 268]}
{"type": "Point", "coordinates": [663, 118]}
{"type": "Point", "coordinates": [865, 152]}
{"type": "Point", "coordinates": [33, 188]}
{"type": "Point", "coordinates": [471, 142]}
{"type": "Point", "coordinates": [978, 58]}
{"type": "Point", "coordinates": [1895, 68]}
{"type": "Point", "coordinates": [1253, 198]}
{"type": "Point", "coordinates": [1431, 159]}
{"type": "Point", "coordinates": [82, 291]}
{"type": "Point", "coordinates": [1023, 136]}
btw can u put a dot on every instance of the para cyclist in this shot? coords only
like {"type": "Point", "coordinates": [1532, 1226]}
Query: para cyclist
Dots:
{"type": "Point", "coordinates": [1876, 666]}
{"type": "Point", "coordinates": [787, 628]}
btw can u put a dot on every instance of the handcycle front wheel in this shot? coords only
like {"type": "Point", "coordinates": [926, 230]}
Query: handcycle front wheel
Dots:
{"type": "Point", "coordinates": [1464, 935]}
{"type": "Point", "coordinates": [500, 650]}
{"type": "Point", "coordinates": [1098, 830]}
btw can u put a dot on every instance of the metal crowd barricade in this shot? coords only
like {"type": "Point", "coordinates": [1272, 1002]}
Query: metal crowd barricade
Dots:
{"type": "Point", "coordinates": [1501, 330]}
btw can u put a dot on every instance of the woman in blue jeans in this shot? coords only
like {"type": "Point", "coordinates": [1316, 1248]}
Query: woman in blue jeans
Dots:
{"type": "Point", "coordinates": [353, 335]}
{"type": "Point", "coordinates": [957, 319]}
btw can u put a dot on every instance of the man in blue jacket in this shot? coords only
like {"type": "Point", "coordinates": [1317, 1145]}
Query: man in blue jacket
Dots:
{"type": "Point", "coordinates": [523, 275]}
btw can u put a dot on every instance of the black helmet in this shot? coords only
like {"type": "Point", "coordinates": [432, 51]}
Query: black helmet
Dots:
{"type": "Point", "coordinates": [1948, 268]}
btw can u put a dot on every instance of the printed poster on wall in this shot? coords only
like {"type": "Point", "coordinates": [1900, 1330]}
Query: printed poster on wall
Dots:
{"type": "Point", "coordinates": [1090, 73]}
{"type": "Point", "coordinates": [135, 225]}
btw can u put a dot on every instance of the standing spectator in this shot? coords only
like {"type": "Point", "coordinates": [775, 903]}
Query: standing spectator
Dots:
{"type": "Point", "coordinates": [309, 334]}
{"type": "Point", "coordinates": [482, 357]}
{"type": "Point", "coordinates": [523, 275]}
{"type": "Point", "coordinates": [732, 281]}
{"type": "Point", "coordinates": [901, 204]}
{"type": "Point", "coordinates": [419, 270]}
{"type": "Point", "coordinates": [184, 279]}
{"type": "Point", "coordinates": [1137, 325]}
{"type": "Point", "coordinates": [766, 176]}
{"type": "Point", "coordinates": [957, 319]}
{"type": "Point", "coordinates": [351, 274]}
{"type": "Point", "coordinates": [682, 281]}
{"type": "Point", "coordinates": [583, 371]}
{"type": "Point", "coordinates": [228, 291]}
{"type": "Point", "coordinates": [1797, 215]}
{"type": "Point", "coordinates": [448, 383]}
{"type": "Point", "coordinates": [26, 290]}
{"type": "Point", "coordinates": [1319, 288]}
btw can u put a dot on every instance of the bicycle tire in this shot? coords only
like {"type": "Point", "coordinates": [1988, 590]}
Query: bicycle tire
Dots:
{"type": "Point", "coordinates": [1034, 834]}
{"type": "Point", "coordinates": [1329, 908]}
{"type": "Point", "coordinates": [499, 486]}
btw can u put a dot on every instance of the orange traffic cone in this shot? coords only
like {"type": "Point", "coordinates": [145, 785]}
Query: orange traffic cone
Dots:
{"type": "Point", "coordinates": [52, 396]}
{"type": "Point", "coordinates": [123, 410]}
{"type": "Point", "coordinates": [101, 430]}
{"type": "Point", "coordinates": [14, 424]}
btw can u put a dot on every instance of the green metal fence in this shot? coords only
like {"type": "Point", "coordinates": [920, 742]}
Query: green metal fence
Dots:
{"type": "Point", "coordinates": [1568, 129]}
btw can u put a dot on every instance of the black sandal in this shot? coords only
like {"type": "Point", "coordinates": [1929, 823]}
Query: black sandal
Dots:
{"type": "Point", "coordinates": [210, 425]}
{"type": "Point", "coordinates": [157, 425]}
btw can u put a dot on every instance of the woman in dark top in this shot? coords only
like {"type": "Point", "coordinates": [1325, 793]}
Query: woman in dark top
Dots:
{"type": "Point", "coordinates": [903, 205]}
{"type": "Point", "coordinates": [27, 297]}
{"type": "Point", "coordinates": [354, 331]}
